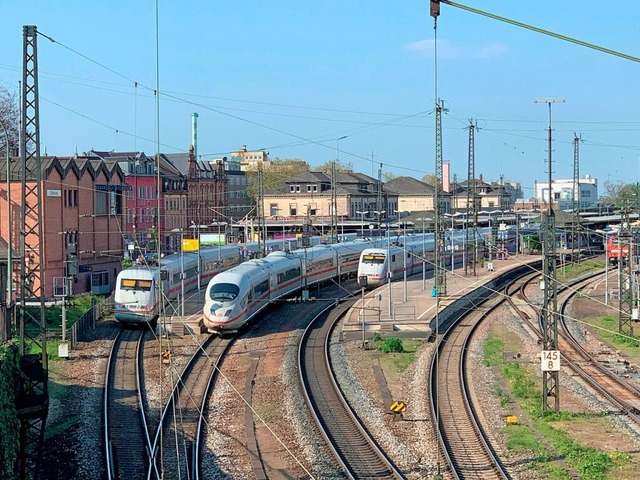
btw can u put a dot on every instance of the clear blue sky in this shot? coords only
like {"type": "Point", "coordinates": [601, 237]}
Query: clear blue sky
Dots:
{"type": "Point", "coordinates": [292, 77]}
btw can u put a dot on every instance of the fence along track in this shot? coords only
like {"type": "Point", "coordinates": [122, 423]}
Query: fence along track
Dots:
{"type": "Point", "coordinates": [356, 451]}
{"type": "Point", "coordinates": [126, 434]}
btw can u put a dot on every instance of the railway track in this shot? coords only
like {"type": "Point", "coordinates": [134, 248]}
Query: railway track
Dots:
{"type": "Point", "coordinates": [620, 393]}
{"type": "Point", "coordinates": [355, 450]}
{"type": "Point", "coordinates": [464, 445]}
{"type": "Point", "coordinates": [126, 434]}
{"type": "Point", "coordinates": [176, 445]}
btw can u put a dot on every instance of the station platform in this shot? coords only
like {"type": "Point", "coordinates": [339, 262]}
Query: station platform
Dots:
{"type": "Point", "coordinates": [389, 309]}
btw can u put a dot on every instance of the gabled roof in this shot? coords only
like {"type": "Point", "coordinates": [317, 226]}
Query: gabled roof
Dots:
{"type": "Point", "coordinates": [65, 166]}
{"type": "Point", "coordinates": [310, 177]}
{"type": "Point", "coordinates": [180, 161]}
{"type": "Point", "coordinates": [408, 186]}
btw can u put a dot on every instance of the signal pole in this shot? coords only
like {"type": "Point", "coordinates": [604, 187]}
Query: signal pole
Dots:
{"type": "Point", "coordinates": [550, 363]}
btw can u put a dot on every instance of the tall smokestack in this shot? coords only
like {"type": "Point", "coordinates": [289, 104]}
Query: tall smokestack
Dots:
{"type": "Point", "coordinates": [194, 134]}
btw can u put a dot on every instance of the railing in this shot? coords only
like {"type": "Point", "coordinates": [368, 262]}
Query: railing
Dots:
{"type": "Point", "coordinates": [87, 321]}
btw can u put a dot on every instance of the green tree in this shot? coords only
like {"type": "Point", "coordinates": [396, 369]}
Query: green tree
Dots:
{"type": "Point", "coordinates": [615, 193]}
{"type": "Point", "coordinates": [10, 118]}
{"type": "Point", "coordinates": [340, 166]}
{"type": "Point", "coordinates": [430, 179]}
{"type": "Point", "coordinates": [388, 176]}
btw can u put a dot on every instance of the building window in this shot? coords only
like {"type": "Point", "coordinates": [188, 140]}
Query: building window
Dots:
{"type": "Point", "coordinates": [293, 209]}
{"type": "Point", "coordinates": [292, 188]}
{"type": "Point", "coordinates": [308, 188]}
{"type": "Point", "coordinates": [315, 188]}
{"type": "Point", "coordinates": [70, 198]}
{"type": "Point", "coordinates": [102, 203]}
{"type": "Point", "coordinates": [273, 209]}
{"type": "Point", "coordinates": [297, 188]}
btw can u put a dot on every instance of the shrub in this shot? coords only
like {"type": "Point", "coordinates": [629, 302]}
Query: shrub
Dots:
{"type": "Point", "coordinates": [9, 424]}
{"type": "Point", "coordinates": [392, 345]}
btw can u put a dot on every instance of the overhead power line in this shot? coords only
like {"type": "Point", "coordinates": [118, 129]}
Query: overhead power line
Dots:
{"type": "Point", "coordinates": [544, 31]}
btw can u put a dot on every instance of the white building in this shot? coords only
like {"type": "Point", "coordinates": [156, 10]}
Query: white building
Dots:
{"type": "Point", "coordinates": [562, 191]}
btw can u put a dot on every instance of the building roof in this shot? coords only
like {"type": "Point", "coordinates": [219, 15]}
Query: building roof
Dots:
{"type": "Point", "coordinates": [408, 186]}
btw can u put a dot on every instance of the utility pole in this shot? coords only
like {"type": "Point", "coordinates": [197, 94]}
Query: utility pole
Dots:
{"type": "Point", "coordinates": [440, 276]}
{"type": "Point", "coordinates": [575, 220]}
{"type": "Point", "coordinates": [379, 206]}
{"type": "Point", "coordinates": [32, 401]}
{"type": "Point", "coordinates": [550, 363]}
{"type": "Point", "coordinates": [472, 208]}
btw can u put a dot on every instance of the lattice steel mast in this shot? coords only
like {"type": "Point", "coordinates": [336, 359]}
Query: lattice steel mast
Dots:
{"type": "Point", "coordinates": [625, 307]}
{"type": "Point", "coordinates": [334, 204]}
{"type": "Point", "coordinates": [262, 231]}
{"type": "Point", "coordinates": [440, 276]}
{"type": "Point", "coordinates": [472, 207]}
{"type": "Point", "coordinates": [549, 314]}
{"type": "Point", "coordinates": [575, 220]}
{"type": "Point", "coordinates": [32, 402]}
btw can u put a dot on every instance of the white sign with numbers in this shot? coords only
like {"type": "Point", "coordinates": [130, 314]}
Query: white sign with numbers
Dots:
{"type": "Point", "coordinates": [550, 361]}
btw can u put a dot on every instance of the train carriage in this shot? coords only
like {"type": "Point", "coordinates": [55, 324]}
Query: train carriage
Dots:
{"type": "Point", "coordinates": [139, 292]}
{"type": "Point", "coordinates": [287, 273]}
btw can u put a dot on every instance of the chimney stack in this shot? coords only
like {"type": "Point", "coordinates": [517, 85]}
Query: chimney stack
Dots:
{"type": "Point", "coordinates": [194, 134]}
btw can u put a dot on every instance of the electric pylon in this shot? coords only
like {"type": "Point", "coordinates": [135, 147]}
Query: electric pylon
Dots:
{"type": "Point", "coordinates": [575, 219]}
{"type": "Point", "coordinates": [472, 206]}
{"type": "Point", "coordinates": [549, 314]}
{"type": "Point", "coordinates": [440, 277]}
{"type": "Point", "coordinates": [262, 230]}
{"type": "Point", "coordinates": [32, 401]}
{"type": "Point", "coordinates": [625, 267]}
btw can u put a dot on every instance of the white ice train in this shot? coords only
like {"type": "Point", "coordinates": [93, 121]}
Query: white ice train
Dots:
{"type": "Point", "coordinates": [234, 297]}
{"type": "Point", "coordinates": [138, 296]}
{"type": "Point", "coordinates": [387, 261]}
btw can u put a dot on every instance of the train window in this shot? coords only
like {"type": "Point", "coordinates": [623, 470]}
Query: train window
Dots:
{"type": "Point", "coordinates": [373, 259]}
{"type": "Point", "coordinates": [261, 288]}
{"type": "Point", "coordinates": [288, 275]}
{"type": "Point", "coordinates": [144, 285]}
{"type": "Point", "coordinates": [224, 291]}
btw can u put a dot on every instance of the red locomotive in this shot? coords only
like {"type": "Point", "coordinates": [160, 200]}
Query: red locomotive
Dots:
{"type": "Point", "coordinates": [617, 249]}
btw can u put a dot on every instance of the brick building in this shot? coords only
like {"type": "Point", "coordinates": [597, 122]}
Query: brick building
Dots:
{"type": "Point", "coordinates": [82, 209]}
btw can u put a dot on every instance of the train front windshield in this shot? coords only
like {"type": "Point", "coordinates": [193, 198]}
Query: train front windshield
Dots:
{"type": "Point", "coordinates": [373, 259]}
{"type": "Point", "coordinates": [129, 284]}
{"type": "Point", "coordinates": [223, 292]}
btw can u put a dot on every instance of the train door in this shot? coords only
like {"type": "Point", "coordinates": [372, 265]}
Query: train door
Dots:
{"type": "Point", "coordinates": [411, 259]}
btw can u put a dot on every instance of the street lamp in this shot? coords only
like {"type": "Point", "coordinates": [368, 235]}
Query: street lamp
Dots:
{"type": "Point", "coordinates": [361, 224]}
{"type": "Point", "coordinates": [404, 256]}
{"type": "Point", "coordinates": [424, 256]}
{"type": "Point", "coordinates": [218, 241]}
{"type": "Point", "coordinates": [179, 230]}
{"type": "Point", "coordinates": [225, 229]}
{"type": "Point", "coordinates": [379, 214]}
{"type": "Point", "coordinates": [198, 227]}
